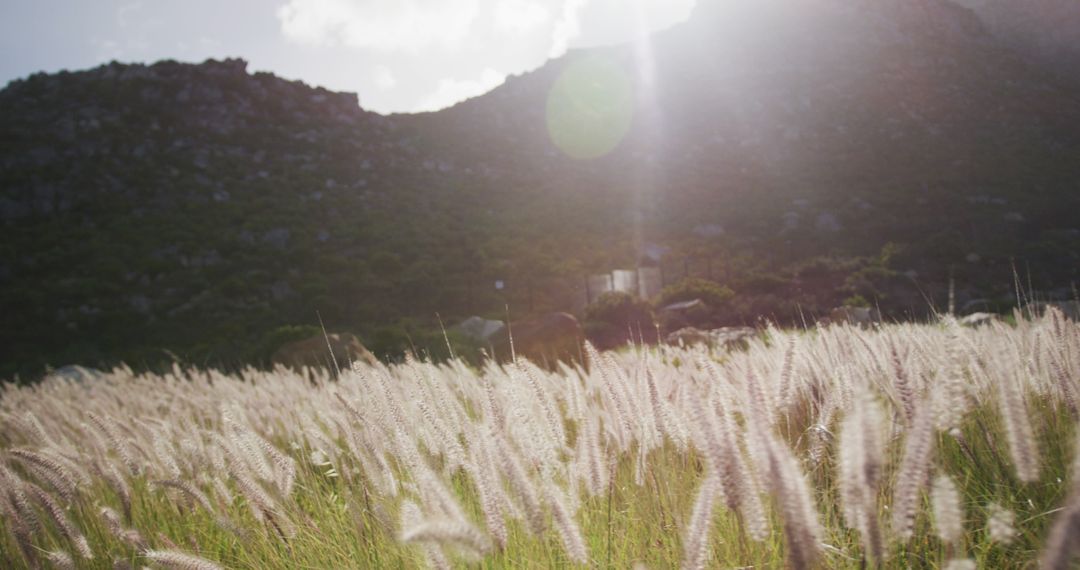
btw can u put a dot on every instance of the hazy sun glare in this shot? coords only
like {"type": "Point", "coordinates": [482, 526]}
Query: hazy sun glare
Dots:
{"type": "Point", "coordinates": [590, 107]}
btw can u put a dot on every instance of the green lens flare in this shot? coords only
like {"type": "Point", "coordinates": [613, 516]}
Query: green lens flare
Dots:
{"type": "Point", "coordinates": [590, 107]}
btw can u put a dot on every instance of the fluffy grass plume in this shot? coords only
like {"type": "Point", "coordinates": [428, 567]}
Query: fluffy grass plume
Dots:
{"type": "Point", "coordinates": [900, 446]}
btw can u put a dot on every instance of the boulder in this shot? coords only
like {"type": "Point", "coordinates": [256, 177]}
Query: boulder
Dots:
{"type": "Point", "coordinates": [684, 314]}
{"type": "Point", "coordinates": [858, 316]}
{"type": "Point", "coordinates": [75, 373]}
{"type": "Point", "coordinates": [732, 338]}
{"type": "Point", "coordinates": [727, 338]}
{"type": "Point", "coordinates": [979, 319]}
{"type": "Point", "coordinates": [682, 308]}
{"type": "Point", "coordinates": [544, 340]}
{"type": "Point", "coordinates": [689, 336]}
{"type": "Point", "coordinates": [313, 352]}
{"type": "Point", "coordinates": [479, 328]}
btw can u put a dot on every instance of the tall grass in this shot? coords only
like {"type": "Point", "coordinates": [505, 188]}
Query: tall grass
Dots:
{"type": "Point", "coordinates": [903, 446]}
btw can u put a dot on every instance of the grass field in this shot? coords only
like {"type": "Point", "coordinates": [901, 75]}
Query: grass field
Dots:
{"type": "Point", "coordinates": [922, 446]}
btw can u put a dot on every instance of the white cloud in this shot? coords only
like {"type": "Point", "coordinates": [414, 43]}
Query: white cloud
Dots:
{"type": "Point", "coordinates": [384, 25]}
{"type": "Point", "coordinates": [384, 79]}
{"type": "Point", "coordinates": [568, 28]}
{"type": "Point", "coordinates": [611, 21]}
{"type": "Point", "coordinates": [450, 91]}
{"type": "Point", "coordinates": [439, 52]}
{"type": "Point", "coordinates": [520, 16]}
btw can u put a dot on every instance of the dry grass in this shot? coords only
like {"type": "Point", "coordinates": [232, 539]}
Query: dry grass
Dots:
{"type": "Point", "coordinates": [905, 446]}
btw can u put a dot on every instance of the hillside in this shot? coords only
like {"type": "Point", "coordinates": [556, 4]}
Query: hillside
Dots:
{"type": "Point", "coordinates": [892, 126]}
{"type": "Point", "coordinates": [170, 205]}
{"type": "Point", "coordinates": [198, 208]}
{"type": "Point", "coordinates": [1045, 31]}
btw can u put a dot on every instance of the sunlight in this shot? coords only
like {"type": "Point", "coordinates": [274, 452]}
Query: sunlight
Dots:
{"type": "Point", "coordinates": [649, 123]}
{"type": "Point", "coordinates": [540, 283]}
{"type": "Point", "coordinates": [643, 54]}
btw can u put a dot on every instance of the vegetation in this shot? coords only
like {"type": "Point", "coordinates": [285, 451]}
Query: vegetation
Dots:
{"type": "Point", "coordinates": [929, 446]}
{"type": "Point", "coordinates": [715, 310]}
{"type": "Point", "coordinates": [173, 212]}
{"type": "Point", "coordinates": [615, 316]}
{"type": "Point", "coordinates": [711, 293]}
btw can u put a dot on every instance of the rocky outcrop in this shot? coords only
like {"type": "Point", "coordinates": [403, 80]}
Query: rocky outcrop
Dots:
{"type": "Point", "coordinates": [858, 316]}
{"type": "Point", "coordinates": [76, 373]}
{"type": "Point", "coordinates": [479, 328]}
{"type": "Point", "coordinates": [979, 319]}
{"type": "Point", "coordinates": [315, 352]}
{"type": "Point", "coordinates": [1045, 31]}
{"type": "Point", "coordinates": [727, 338]}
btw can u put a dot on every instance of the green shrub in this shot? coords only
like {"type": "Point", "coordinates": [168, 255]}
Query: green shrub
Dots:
{"type": "Point", "coordinates": [620, 310]}
{"type": "Point", "coordinates": [716, 309]}
{"type": "Point", "coordinates": [712, 294]}
{"type": "Point", "coordinates": [762, 283]}
{"type": "Point", "coordinates": [856, 301]}
{"type": "Point", "coordinates": [388, 343]}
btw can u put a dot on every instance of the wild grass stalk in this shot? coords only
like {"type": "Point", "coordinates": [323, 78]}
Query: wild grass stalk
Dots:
{"type": "Point", "coordinates": [793, 452]}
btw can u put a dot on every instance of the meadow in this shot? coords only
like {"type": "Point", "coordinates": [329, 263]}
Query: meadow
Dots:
{"type": "Point", "coordinates": [901, 446]}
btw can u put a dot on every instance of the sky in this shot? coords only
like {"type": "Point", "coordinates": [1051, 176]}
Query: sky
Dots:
{"type": "Point", "coordinates": [397, 55]}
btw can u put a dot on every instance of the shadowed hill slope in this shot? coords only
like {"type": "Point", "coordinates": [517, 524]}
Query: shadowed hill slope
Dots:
{"type": "Point", "coordinates": [195, 207]}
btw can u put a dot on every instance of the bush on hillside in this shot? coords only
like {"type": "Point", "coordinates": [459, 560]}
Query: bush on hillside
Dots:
{"type": "Point", "coordinates": [390, 343]}
{"type": "Point", "coordinates": [611, 317]}
{"type": "Point", "coordinates": [621, 310]}
{"type": "Point", "coordinates": [716, 298]}
{"type": "Point", "coordinates": [711, 293]}
{"type": "Point", "coordinates": [279, 336]}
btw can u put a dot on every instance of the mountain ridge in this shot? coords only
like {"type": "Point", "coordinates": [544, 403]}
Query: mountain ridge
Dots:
{"type": "Point", "coordinates": [813, 155]}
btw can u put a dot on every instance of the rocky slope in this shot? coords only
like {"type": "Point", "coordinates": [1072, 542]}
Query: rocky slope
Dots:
{"type": "Point", "coordinates": [195, 207]}
{"type": "Point", "coordinates": [177, 205]}
{"type": "Point", "coordinates": [1045, 31]}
